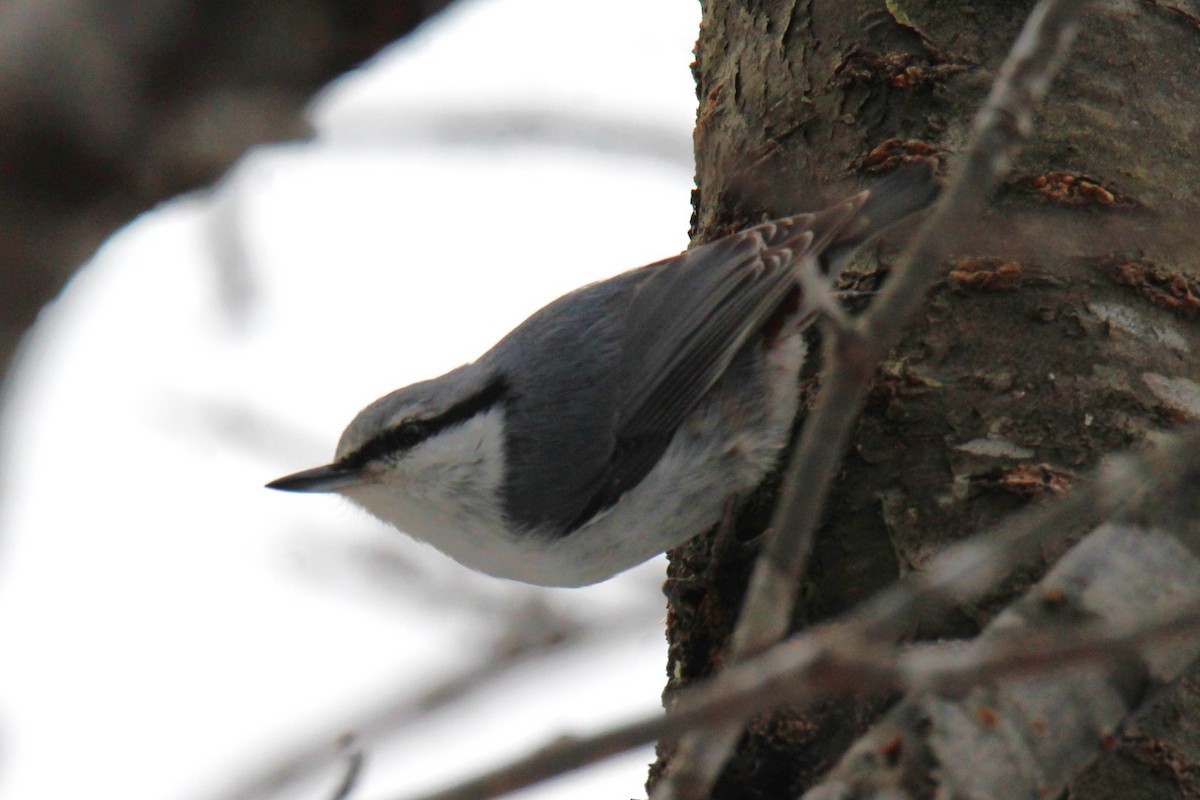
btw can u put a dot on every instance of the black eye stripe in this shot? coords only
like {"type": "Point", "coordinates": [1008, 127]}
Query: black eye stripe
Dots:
{"type": "Point", "coordinates": [410, 433]}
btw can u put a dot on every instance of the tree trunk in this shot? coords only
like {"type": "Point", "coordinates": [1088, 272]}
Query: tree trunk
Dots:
{"type": "Point", "coordinates": [1068, 329]}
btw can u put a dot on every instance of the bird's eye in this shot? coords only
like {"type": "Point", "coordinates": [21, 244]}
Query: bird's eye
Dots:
{"type": "Point", "coordinates": [413, 432]}
{"type": "Point", "coordinates": [402, 436]}
{"type": "Point", "coordinates": [389, 443]}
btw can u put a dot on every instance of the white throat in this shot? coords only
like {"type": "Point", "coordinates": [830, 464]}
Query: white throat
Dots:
{"type": "Point", "coordinates": [446, 491]}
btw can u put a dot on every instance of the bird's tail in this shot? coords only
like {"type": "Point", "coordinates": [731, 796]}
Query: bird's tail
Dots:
{"type": "Point", "coordinates": [904, 192]}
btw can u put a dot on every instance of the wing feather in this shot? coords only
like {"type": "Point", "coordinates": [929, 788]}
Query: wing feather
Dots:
{"type": "Point", "coordinates": [682, 328]}
{"type": "Point", "coordinates": [687, 322]}
{"type": "Point", "coordinates": [680, 324]}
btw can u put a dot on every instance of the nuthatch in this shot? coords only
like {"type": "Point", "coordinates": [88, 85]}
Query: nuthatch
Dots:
{"type": "Point", "coordinates": [615, 422]}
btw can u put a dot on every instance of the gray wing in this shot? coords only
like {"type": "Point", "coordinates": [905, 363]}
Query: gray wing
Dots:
{"type": "Point", "coordinates": [683, 326]}
{"type": "Point", "coordinates": [657, 339]}
{"type": "Point", "coordinates": [687, 321]}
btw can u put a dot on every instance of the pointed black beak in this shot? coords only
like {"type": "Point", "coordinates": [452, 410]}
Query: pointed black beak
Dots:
{"type": "Point", "coordinates": [328, 478]}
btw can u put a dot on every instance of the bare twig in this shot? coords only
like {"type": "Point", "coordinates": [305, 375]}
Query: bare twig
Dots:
{"type": "Point", "coordinates": [1003, 123]}
{"type": "Point", "coordinates": [1176, 13]}
{"type": "Point", "coordinates": [529, 635]}
{"type": "Point", "coordinates": [1139, 567]}
{"type": "Point", "coordinates": [355, 758]}
{"type": "Point", "coordinates": [848, 657]}
{"type": "Point", "coordinates": [599, 132]}
{"type": "Point", "coordinates": [800, 673]}
{"type": "Point", "coordinates": [822, 664]}
{"type": "Point", "coordinates": [946, 668]}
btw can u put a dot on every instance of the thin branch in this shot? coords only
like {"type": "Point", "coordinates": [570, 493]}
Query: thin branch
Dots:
{"type": "Point", "coordinates": [355, 759]}
{"type": "Point", "coordinates": [530, 634]}
{"type": "Point", "coordinates": [1140, 566]}
{"type": "Point", "coordinates": [1004, 122]}
{"type": "Point", "coordinates": [538, 127]}
{"type": "Point", "coordinates": [949, 668]}
{"type": "Point", "coordinates": [108, 107]}
{"type": "Point", "coordinates": [847, 657]}
{"type": "Point", "coordinates": [807, 670]}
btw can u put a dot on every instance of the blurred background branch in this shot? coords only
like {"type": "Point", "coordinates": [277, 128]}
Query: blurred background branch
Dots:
{"type": "Point", "coordinates": [108, 108]}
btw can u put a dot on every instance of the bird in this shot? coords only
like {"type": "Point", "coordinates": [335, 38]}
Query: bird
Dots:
{"type": "Point", "coordinates": [617, 421]}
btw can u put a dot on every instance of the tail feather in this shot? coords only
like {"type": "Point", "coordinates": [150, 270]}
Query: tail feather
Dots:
{"type": "Point", "coordinates": [904, 192]}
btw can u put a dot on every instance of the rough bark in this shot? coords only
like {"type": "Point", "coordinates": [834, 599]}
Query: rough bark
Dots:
{"type": "Point", "coordinates": [1070, 329]}
{"type": "Point", "coordinates": [1028, 737]}
{"type": "Point", "coordinates": [107, 108]}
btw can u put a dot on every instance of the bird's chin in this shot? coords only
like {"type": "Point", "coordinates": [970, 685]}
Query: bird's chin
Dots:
{"type": "Point", "coordinates": [390, 505]}
{"type": "Point", "coordinates": [464, 532]}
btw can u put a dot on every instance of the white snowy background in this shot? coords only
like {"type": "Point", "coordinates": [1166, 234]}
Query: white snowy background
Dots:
{"type": "Point", "coordinates": [166, 624]}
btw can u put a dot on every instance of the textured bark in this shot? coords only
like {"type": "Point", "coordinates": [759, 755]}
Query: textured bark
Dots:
{"type": "Point", "coordinates": [109, 107]}
{"type": "Point", "coordinates": [1071, 329]}
{"type": "Point", "coordinates": [1027, 737]}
